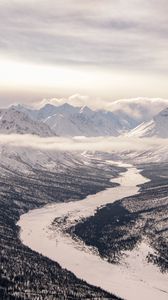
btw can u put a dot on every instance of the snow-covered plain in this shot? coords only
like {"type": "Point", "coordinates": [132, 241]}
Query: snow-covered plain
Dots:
{"type": "Point", "coordinates": [133, 279]}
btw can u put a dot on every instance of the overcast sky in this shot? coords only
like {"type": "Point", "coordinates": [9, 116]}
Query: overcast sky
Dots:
{"type": "Point", "coordinates": [110, 49]}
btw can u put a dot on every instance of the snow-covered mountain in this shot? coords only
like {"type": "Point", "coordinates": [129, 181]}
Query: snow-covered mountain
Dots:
{"type": "Point", "coordinates": [67, 120]}
{"type": "Point", "coordinates": [84, 122]}
{"type": "Point", "coordinates": [157, 127]}
{"type": "Point", "coordinates": [15, 121]}
{"type": "Point", "coordinates": [139, 110]}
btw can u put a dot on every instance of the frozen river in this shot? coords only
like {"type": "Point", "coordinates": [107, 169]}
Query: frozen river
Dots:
{"type": "Point", "coordinates": [133, 279]}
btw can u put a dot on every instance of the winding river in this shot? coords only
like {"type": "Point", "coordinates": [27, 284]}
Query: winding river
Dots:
{"type": "Point", "coordinates": [133, 279]}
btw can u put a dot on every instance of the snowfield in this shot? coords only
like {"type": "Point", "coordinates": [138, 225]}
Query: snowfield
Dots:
{"type": "Point", "coordinates": [133, 279]}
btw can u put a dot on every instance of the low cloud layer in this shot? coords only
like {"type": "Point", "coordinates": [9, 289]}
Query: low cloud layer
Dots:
{"type": "Point", "coordinates": [103, 144]}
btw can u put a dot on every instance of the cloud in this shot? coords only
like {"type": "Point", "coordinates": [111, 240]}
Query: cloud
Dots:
{"type": "Point", "coordinates": [128, 34]}
{"type": "Point", "coordinates": [119, 48]}
{"type": "Point", "coordinates": [140, 108]}
{"type": "Point", "coordinates": [75, 100]}
{"type": "Point", "coordinates": [103, 144]}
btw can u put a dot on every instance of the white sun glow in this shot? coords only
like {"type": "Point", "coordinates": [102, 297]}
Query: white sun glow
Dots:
{"type": "Point", "coordinates": [16, 73]}
{"type": "Point", "coordinates": [101, 81]}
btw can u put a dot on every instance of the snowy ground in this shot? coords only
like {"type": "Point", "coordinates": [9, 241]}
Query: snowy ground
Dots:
{"type": "Point", "coordinates": [133, 279]}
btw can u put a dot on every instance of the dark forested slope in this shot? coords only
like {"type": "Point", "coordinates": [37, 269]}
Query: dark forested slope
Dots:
{"type": "Point", "coordinates": [25, 274]}
{"type": "Point", "coordinates": [120, 226]}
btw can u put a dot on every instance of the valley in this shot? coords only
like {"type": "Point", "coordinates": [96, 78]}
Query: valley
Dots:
{"type": "Point", "coordinates": [126, 254]}
{"type": "Point", "coordinates": [100, 196]}
{"type": "Point", "coordinates": [83, 150]}
{"type": "Point", "coordinates": [23, 272]}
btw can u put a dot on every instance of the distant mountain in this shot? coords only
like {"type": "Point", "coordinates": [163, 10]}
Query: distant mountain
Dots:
{"type": "Point", "coordinates": [138, 110]}
{"type": "Point", "coordinates": [157, 127]}
{"type": "Point", "coordinates": [84, 122]}
{"type": "Point", "coordinates": [67, 120]}
{"type": "Point", "coordinates": [15, 121]}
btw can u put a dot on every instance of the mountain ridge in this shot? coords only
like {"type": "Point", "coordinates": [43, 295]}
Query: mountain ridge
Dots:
{"type": "Point", "coordinates": [157, 127]}
{"type": "Point", "coordinates": [67, 120]}
{"type": "Point", "coordinates": [15, 121]}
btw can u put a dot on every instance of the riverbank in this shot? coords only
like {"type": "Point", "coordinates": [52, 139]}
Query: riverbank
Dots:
{"type": "Point", "coordinates": [126, 280]}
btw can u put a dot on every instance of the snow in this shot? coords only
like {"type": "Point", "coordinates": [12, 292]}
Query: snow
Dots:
{"type": "Point", "coordinates": [14, 121]}
{"type": "Point", "coordinates": [26, 159]}
{"type": "Point", "coordinates": [157, 127]}
{"type": "Point", "coordinates": [133, 279]}
{"type": "Point", "coordinates": [67, 120]}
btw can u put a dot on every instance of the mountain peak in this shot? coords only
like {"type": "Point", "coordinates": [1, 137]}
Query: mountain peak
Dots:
{"type": "Point", "coordinates": [47, 107]}
{"type": "Point", "coordinates": [66, 105]}
{"type": "Point", "coordinates": [157, 127]}
{"type": "Point", "coordinates": [17, 121]}
{"type": "Point", "coordinates": [85, 109]}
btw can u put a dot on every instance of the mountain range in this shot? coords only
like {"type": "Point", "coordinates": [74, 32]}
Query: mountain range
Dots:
{"type": "Point", "coordinates": [15, 121]}
{"type": "Point", "coordinates": [157, 127]}
{"type": "Point", "coordinates": [67, 120]}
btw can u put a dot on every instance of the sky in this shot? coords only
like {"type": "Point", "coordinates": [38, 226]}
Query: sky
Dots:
{"type": "Point", "coordinates": [110, 49]}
